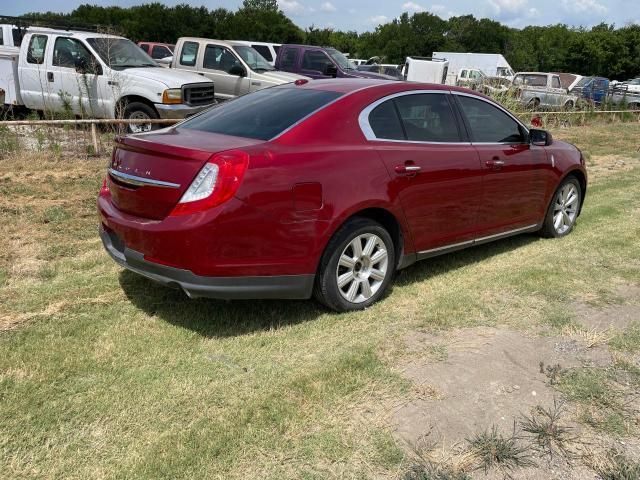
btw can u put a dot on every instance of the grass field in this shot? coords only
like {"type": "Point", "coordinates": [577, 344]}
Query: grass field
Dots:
{"type": "Point", "coordinates": [105, 375]}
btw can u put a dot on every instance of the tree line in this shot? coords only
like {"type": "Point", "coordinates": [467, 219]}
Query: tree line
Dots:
{"type": "Point", "coordinates": [603, 50]}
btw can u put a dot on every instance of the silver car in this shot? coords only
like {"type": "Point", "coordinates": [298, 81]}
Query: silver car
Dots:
{"type": "Point", "coordinates": [543, 90]}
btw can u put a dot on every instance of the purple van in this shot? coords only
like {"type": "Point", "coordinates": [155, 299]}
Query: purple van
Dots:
{"type": "Point", "coordinates": [319, 62]}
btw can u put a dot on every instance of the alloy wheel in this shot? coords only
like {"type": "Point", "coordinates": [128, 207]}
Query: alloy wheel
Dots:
{"type": "Point", "coordinates": [565, 208]}
{"type": "Point", "coordinates": [139, 127]}
{"type": "Point", "coordinates": [362, 268]}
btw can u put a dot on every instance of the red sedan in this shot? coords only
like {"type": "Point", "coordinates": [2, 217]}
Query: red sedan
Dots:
{"type": "Point", "coordinates": [326, 188]}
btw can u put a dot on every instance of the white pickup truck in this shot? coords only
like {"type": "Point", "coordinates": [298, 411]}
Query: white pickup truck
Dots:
{"type": "Point", "coordinates": [94, 75]}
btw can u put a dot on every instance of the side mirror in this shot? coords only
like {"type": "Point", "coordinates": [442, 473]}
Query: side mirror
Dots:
{"type": "Point", "coordinates": [541, 138]}
{"type": "Point", "coordinates": [330, 70]}
{"type": "Point", "coordinates": [238, 71]}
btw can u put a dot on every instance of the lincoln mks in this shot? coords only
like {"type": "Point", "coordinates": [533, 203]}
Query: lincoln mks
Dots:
{"type": "Point", "coordinates": [326, 188]}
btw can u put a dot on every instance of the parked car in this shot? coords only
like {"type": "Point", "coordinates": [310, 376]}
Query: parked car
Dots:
{"type": "Point", "coordinates": [99, 76]}
{"type": "Point", "coordinates": [536, 89]}
{"type": "Point", "coordinates": [329, 187]}
{"type": "Point", "coordinates": [319, 62]}
{"type": "Point", "coordinates": [162, 53]}
{"type": "Point", "coordinates": [470, 78]}
{"type": "Point", "coordinates": [621, 95]}
{"type": "Point", "coordinates": [633, 85]}
{"type": "Point", "coordinates": [235, 68]}
{"type": "Point", "coordinates": [269, 51]}
{"type": "Point", "coordinates": [594, 89]}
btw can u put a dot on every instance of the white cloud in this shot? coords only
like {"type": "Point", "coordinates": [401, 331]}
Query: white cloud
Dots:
{"type": "Point", "coordinates": [507, 6]}
{"type": "Point", "coordinates": [378, 19]}
{"type": "Point", "coordinates": [442, 11]}
{"type": "Point", "coordinates": [327, 7]}
{"type": "Point", "coordinates": [293, 7]}
{"type": "Point", "coordinates": [582, 7]}
{"type": "Point", "coordinates": [413, 7]}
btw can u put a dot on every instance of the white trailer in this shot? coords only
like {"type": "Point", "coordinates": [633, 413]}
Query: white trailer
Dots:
{"type": "Point", "coordinates": [491, 64]}
{"type": "Point", "coordinates": [425, 69]}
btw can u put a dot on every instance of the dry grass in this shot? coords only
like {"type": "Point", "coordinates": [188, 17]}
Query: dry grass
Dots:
{"type": "Point", "coordinates": [104, 374]}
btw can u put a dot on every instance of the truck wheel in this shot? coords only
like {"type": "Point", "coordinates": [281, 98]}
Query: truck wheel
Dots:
{"type": "Point", "coordinates": [534, 104]}
{"type": "Point", "coordinates": [139, 111]}
{"type": "Point", "coordinates": [569, 105]}
{"type": "Point", "coordinates": [634, 106]}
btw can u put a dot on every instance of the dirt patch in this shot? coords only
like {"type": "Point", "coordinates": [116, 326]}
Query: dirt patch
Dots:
{"type": "Point", "coordinates": [614, 316]}
{"type": "Point", "coordinates": [489, 376]}
{"type": "Point", "coordinates": [602, 165]}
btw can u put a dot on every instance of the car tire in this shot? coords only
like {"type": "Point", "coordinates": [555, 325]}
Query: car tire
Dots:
{"type": "Point", "coordinates": [563, 210]}
{"type": "Point", "coordinates": [349, 279]}
{"type": "Point", "coordinates": [140, 111]}
{"type": "Point", "coordinates": [569, 105]}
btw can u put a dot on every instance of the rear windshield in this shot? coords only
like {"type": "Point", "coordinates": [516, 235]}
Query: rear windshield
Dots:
{"type": "Point", "coordinates": [261, 115]}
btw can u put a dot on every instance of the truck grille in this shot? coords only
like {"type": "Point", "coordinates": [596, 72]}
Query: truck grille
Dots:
{"type": "Point", "coordinates": [197, 94]}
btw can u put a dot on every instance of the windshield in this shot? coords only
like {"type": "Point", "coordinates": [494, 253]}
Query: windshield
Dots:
{"type": "Point", "coordinates": [635, 81]}
{"type": "Point", "coordinates": [120, 53]}
{"type": "Point", "coordinates": [583, 81]}
{"type": "Point", "coordinates": [531, 80]}
{"type": "Point", "coordinates": [252, 58]}
{"type": "Point", "coordinates": [342, 61]}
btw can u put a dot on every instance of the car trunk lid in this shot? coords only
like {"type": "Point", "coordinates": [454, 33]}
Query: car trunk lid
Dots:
{"type": "Point", "coordinates": [149, 173]}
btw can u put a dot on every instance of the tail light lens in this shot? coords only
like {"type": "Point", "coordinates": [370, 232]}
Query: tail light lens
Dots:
{"type": "Point", "coordinates": [216, 183]}
{"type": "Point", "coordinates": [104, 190]}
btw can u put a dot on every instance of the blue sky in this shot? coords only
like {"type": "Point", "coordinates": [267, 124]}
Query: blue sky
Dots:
{"type": "Point", "coordinates": [362, 15]}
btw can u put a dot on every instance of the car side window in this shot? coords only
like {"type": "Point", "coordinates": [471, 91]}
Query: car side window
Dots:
{"type": "Point", "coordinates": [488, 123]}
{"type": "Point", "coordinates": [385, 123]}
{"type": "Point", "coordinates": [189, 54]}
{"type": "Point", "coordinates": [219, 58]}
{"type": "Point", "coordinates": [427, 117]}
{"type": "Point", "coordinates": [160, 51]}
{"type": "Point", "coordinates": [315, 60]}
{"type": "Point", "coordinates": [70, 53]}
{"type": "Point", "coordinates": [1, 37]}
{"type": "Point", "coordinates": [264, 51]}
{"type": "Point", "coordinates": [555, 82]}
{"type": "Point", "coordinates": [289, 59]}
{"type": "Point", "coordinates": [37, 47]}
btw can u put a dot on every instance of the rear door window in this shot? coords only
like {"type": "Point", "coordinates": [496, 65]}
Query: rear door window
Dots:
{"type": "Point", "coordinates": [555, 82]}
{"type": "Point", "coordinates": [488, 123]}
{"type": "Point", "coordinates": [37, 47]}
{"type": "Point", "coordinates": [428, 117]}
{"type": "Point", "coordinates": [261, 115]}
{"type": "Point", "coordinates": [189, 54]}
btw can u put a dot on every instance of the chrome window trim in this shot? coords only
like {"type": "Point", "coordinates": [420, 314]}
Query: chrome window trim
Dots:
{"type": "Point", "coordinates": [499, 107]}
{"type": "Point", "coordinates": [365, 126]}
{"type": "Point", "coordinates": [140, 181]}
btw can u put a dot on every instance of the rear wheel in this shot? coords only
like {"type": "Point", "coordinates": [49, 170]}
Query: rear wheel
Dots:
{"type": "Point", "coordinates": [140, 111]}
{"type": "Point", "coordinates": [563, 211]}
{"type": "Point", "coordinates": [357, 266]}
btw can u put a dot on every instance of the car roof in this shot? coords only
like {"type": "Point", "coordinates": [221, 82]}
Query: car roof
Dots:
{"type": "Point", "coordinates": [232, 43]}
{"type": "Point", "coordinates": [384, 87]}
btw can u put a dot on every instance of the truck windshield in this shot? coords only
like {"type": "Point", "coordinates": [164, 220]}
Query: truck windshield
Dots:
{"type": "Point", "coordinates": [531, 80]}
{"type": "Point", "coordinates": [120, 53]}
{"type": "Point", "coordinates": [342, 61]}
{"type": "Point", "coordinates": [252, 58]}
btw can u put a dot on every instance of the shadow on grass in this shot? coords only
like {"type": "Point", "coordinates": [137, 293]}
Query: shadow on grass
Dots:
{"type": "Point", "coordinates": [215, 318]}
{"type": "Point", "coordinates": [218, 318]}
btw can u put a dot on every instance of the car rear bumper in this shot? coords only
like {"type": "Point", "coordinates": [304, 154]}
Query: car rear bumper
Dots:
{"type": "Point", "coordinates": [179, 111]}
{"type": "Point", "coordinates": [195, 286]}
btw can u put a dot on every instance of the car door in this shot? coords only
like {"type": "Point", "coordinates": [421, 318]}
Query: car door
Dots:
{"type": "Point", "coordinates": [556, 93]}
{"type": "Point", "coordinates": [217, 63]}
{"type": "Point", "coordinates": [35, 89]}
{"type": "Point", "coordinates": [515, 174]}
{"type": "Point", "coordinates": [436, 173]}
{"type": "Point", "coordinates": [75, 78]}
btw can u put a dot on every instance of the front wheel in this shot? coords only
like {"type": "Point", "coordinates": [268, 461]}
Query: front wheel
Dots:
{"type": "Point", "coordinates": [563, 211]}
{"type": "Point", "coordinates": [140, 111]}
{"type": "Point", "coordinates": [357, 266]}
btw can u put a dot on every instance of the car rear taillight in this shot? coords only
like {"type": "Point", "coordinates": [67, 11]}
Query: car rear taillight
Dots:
{"type": "Point", "coordinates": [216, 183]}
{"type": "Point", "coordinates": [104, 190]}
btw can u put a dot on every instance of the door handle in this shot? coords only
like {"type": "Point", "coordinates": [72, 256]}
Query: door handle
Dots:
{"type": "Point", "coordinates": [50, 76]}
{"type": "Point", "coordinates": [495, 163]}
{"type": "Point", "coordinates": [409, 168]}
